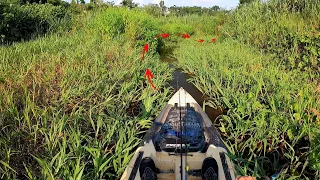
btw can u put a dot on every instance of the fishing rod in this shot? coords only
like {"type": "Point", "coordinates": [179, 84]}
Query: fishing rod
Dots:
{"type": "Point", "coordinates": [181, 136]}
{"type": "Point", "coordinates": [185, 133]}
{"type": "Point", "coordinates": [181, 160]}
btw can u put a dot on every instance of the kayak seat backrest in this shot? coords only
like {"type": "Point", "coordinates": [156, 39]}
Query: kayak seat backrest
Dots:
{"type": "Point", "coordinates": [170, 136]}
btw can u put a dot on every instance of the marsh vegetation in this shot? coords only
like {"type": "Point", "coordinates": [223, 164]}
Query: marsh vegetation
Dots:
{"type": "Point", "coordinates": [74, 102]}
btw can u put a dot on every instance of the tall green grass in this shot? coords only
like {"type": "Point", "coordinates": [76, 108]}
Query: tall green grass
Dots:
{"type": "Point", "coordinates": [193, 24]}
{"type": "Point", "coordinates": [22, 22]}
{"type": "Point", "coordinates": [288, 29]}
{"type": "Point", "coordinates": [271, 123]}
{"type": "Point", "coordinates": [264, 71]}
{"type": "Point", "coordinates": [74, 106]}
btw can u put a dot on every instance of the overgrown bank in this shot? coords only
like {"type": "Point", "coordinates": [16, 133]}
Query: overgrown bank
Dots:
{"type": "Point", "coordinates": [263, 71]}
{"type": "Point", "coordinates": [22, 22]}
{"type": "Point", "coordinates": [74, 106]}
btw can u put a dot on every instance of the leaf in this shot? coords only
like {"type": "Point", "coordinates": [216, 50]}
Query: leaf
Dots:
{"type": "Point", "coordinates": [7, 166]}
{"type": "Point", "coordinates": [255, 171]}
{"type": "Point", "coordinates": [28, 172]}
{"type": "Point", "coordinates": [265, 143]}
{"type": "Point", "coordinates": [2, 80]}
{"type": "Point", "coordinates": [79, 176]}
{"type": "Point", "coordinates": [45, 167]}
{"type": "Point", "coordinates": [226, 102]}
{"type": "Point", "coordinates": [103, 165]}
{"type": "Point", "coordinates": [222, 128]}
{"type": "Point", "coordinates": [293, 177]}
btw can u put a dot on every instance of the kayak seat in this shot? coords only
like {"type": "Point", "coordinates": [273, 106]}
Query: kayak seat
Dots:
{"type": "Point", "coordinates": [170, 137]}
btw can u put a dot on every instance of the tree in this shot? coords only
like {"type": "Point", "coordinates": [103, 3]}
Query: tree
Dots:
{"type": "Point", "coordinates": [65, 4]}
{"type": "Point", "coordinates": [55, 2]}
{"type": "Point", "coordinates": [99, 2]}
{"type": "Point", "coordinates": [152, 9]}
{"type": "Point", "coordinates": [110, 3]}
{"type": "Point", "coordinates": [34, 1]}
{"type": "Point", "coordinates": [162, 7]}
{"type": "Point", "coordinates": [173, 10]}
{"type": "Point", "coordinates": [129, 3]}
{"type": "Point", "coordinates": [215, 8]}
{"type": "Point", "coordinates": [246, 1]}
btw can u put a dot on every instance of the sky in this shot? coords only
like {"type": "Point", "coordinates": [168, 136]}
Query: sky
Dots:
{"type": "Point", "coordinates": [226, 4]}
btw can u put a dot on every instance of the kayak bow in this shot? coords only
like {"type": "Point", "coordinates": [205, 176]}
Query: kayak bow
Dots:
{"type": "Point", "coordinates": [182, 143]}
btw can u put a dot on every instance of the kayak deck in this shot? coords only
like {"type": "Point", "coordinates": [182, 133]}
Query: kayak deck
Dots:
{"type": "Point", "coordinates": [174, 133]}
{"type": "Point", "coordinates": [199, 138]}
{"type": "Point", "coordinates": [168, 165]}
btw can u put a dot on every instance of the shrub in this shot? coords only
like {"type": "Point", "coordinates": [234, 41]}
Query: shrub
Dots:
{"type": "Point", "coordinates": [23, 22]}
{"type": "Point", "coordinates": [178, 28]}
{"type": "Point", "coordinates": [285, 28]}
{"type": "Point", "coordinates": [133, 25]}
{"type": "Point", "coordinates": [110, 23]}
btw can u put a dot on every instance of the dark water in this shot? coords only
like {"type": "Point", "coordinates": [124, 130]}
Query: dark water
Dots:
{"type": "Point", "coordinates": [180, 80]}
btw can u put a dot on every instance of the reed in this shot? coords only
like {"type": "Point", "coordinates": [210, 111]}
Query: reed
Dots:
{"type": "Point", "coordinates": [263, 71]}
{"type": "Point", "coordinates": [75, 105]}
{"type": "Point", "coordinates": [271, 121]}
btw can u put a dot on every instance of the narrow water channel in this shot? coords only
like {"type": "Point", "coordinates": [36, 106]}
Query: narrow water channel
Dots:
{"type": "Point", "coordinates": [180, 80]}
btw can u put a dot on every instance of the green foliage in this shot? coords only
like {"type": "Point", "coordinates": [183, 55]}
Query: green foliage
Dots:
{"type": "Point", "coordinates": [302, 51]}
{"type": "Point", "coordinates": [315, 153]}
{"type": "Point", "coordinates": [176, 29]}
{"type": "Point", "coordinates": [195, 10]}
{"type": "Point", "coordinates": [264, 72]}
{"type": "Point", "coordinates": [133, 25]}
{"type": "Point", "coordinates": [194, 24]}
{"type": "Point", "coordinates": [181, 11]}
{"type": "Point", "coordinates": [246, 1]}
{"type": "Point", "coordinates": [110, 23]}
{"type": "Point", "coordinates": [55, 2]}
{"type": "Point", "coordinates": [271, 124]}
{"type": "Point", "coordinates": [152, 9]}
{"type": "Point", "coordinates": [75, 106]}
{"type": "Point", "coordinates": [129, 3]}
{"type": "Point", "coordinates": [23, 22]}
{"type": "Point", "coordinates": [286, 28]}
{"type": "Point", "coordinates": [72, 106]}
{"type": "Point", "coordinates": [163, 8]}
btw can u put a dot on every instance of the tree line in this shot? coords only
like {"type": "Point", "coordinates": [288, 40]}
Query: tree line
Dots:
{"type": "Point", "coordinates": [20, 17]}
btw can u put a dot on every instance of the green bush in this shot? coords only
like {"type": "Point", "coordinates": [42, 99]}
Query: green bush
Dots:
{"type": "Point", "coordinates": [288, 29]}
{"type": "Point", "coordinates": [194, 24]}
{"type": "Point", "coordinates": [178, 28]}
{"type": "Point", "coordinates": [299, 51]}
{"type": "Point", "coordinates": [23, 22]}
{"type": "Point", "coordinates": [110, 23]}
{"type": "Point", "coordinates": [133, 25]}
{"type": "Point", "coordinates": [43, 137]}
{"type": "Point", "coordinates": [271, 120]}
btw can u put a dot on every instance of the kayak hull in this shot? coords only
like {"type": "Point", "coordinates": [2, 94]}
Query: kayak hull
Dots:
{"type": "Point", "coordinates": [167, 156]}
